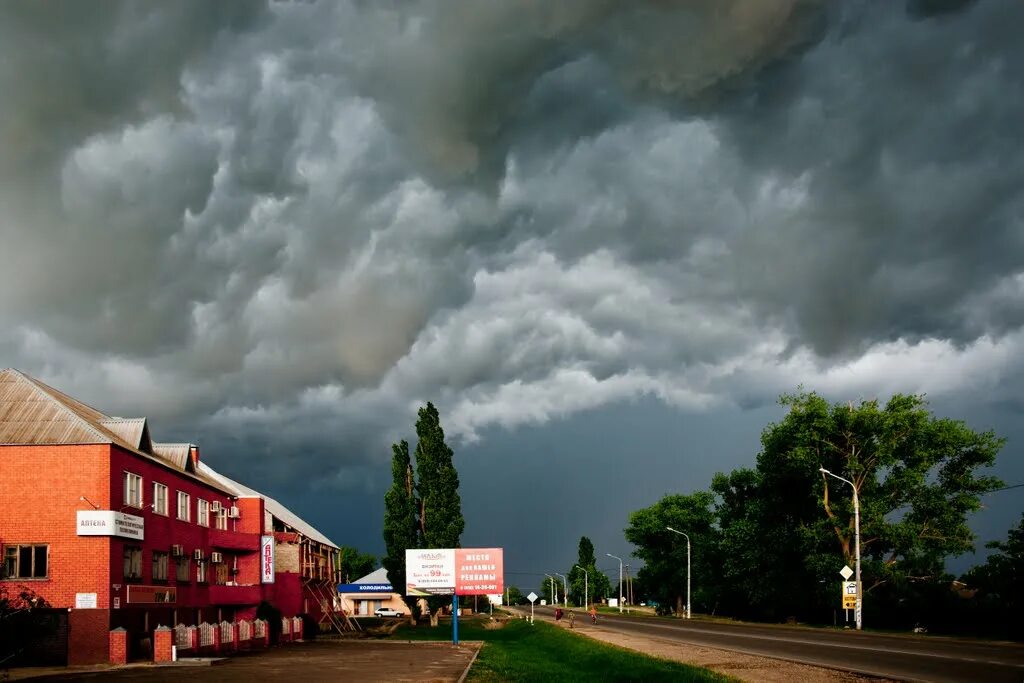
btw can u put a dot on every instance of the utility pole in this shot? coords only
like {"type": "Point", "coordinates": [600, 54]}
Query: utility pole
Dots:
{"type": "Point", "coordinates": [620, 578]}
{"type": "Point", "coordinates": [586, 588]}
{"type": "Point", "coordinates": [856, 540]}
{"type": "Point", "coordinates": [689, 612]}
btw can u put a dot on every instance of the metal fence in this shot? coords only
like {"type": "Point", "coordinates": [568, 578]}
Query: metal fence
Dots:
{"type": "Point", "coordinates": [227, 633]}
{"type": "Point", "coordinates": [259, 628]}
{"type": "Point", "coordinates": [206, 635]}
{"type": "Point", "coordinates": [183, 636]}
{"type": "Point", "coordinates": [244, 630]}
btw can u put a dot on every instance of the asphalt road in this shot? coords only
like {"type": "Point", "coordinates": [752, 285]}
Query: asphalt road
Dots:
{"type": "Point", "coordinates": [901, 657]}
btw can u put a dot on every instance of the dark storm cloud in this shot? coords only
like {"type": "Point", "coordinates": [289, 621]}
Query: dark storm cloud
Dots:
{"type": "Point", "coordinates": [281, 227]}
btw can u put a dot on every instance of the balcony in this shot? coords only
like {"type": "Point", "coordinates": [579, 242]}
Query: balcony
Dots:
{"type": "Point", "coordinates": [235, 595]}
{"type": "Point", "coordinates": [234, 540]}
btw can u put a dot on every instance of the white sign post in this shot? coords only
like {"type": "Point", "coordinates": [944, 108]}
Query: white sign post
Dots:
{"type": "Point", "coordinates": [532, 597]}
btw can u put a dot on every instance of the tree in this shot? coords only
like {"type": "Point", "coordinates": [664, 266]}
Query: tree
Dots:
{"type": "Point", "coordinates": [664, 552]}
{"type": "Point", "coordinates": [440, 507]}
{"type": "Point", "coordinates": [788, 527]}
{"type": "Point", "coordinates": [515, 596]}
{"type": "Point", "coordinates": [594, 585]}
{"type": "Point", "coordinates": [1000, 582]}
{"type": "Point", "coordinates": [355, 564]}
{"type": "Point", "coordinates": [401, 530]}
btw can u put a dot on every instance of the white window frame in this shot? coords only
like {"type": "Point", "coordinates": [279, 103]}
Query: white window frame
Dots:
{"type": "Point", "coordinates": [202, 512]}
{"type": "Point", "coordinates": [222, 519]}
{"type": "Point", "coordinates": [160, 498]}
{"type": "Point", "coordinates": [200, 571]}
{"type": "Point", "coordinates": [133, 489]}
{"type": "Point", "coordinates": [184, 508]}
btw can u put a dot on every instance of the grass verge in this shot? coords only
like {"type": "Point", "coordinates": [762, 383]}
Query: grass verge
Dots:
{"type": "Point", "coordinates": [542, 652]}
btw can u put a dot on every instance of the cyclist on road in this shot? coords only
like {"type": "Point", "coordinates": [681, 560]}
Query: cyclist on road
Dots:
{"type": "Point", "coordinates": [593, 614]}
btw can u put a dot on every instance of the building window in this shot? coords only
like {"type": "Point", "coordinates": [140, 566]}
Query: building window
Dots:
{"type": "Point", "coordinates": [222, 519]}
{"type": "Point", "coordinates": [200, 571]}
{"type": "Point", "coordinates": [221, 574]}
{"type": "Point", "coordinates": [184, 513]}
{"type": "Point", "coordinates": [159, 498]}
{"type": "Point", "coordinates": [202, 512]}
{"type": "Point", "coordinates": [160, 564]}
{"type": "Point", "coordinates": [181, 570]}
{"type": "Point", "coordinates": [26, 561]}
{"type": "Point", "coordinates": [132, 562]}
{"type": "Point", "coordinates": [132, 490]}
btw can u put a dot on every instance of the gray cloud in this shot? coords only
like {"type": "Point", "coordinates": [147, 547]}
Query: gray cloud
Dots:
{"type": "Point", "coordinates": [279, 228]}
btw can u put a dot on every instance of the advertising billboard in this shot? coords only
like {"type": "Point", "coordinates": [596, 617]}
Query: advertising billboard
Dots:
{"type": "Point", "coordinates": [464, 571]}
{"type": "Point", "coordinates": [110, 523]}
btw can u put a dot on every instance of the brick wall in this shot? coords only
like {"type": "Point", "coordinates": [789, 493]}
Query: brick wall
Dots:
{"type": "Point", "coordinates": [88, 642]}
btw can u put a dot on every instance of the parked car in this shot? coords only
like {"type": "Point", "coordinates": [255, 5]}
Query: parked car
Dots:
{"type": "Point", "coordinates": [387, 612]}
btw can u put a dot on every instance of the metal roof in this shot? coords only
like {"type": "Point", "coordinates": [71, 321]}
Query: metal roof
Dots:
{"type": "Point", "coordinates": [35, 414]}
{"type": "Point", "coordinates": [272, 506]}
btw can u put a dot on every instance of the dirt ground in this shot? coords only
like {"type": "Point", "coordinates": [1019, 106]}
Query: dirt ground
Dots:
{"type": "Point", "coordinates": [353, 661]}
{"type": "Point", "coordinates": [736, 664]}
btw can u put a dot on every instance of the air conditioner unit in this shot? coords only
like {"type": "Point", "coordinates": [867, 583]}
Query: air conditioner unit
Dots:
{"type": "Point", "coordinates": [215, 506]}
{"type": "Point", "coordinates": [198, 554]}
{"type": "Point", "coordinates": [216, 558]}
{"type": "Point", "coordinates": [178, 550]}
{"type": "Point", "coordinates": [233, 512]}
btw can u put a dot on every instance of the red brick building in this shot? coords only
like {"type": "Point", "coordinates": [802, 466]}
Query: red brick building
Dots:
{"type": "Point", "coordinates": [123, 532]}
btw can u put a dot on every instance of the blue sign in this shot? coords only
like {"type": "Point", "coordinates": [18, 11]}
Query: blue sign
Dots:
{"type": "Point", "coordinates": [365, 588]}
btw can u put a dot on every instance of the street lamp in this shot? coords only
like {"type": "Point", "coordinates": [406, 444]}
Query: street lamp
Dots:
{"type": "Point", "coordinates": [689, 607]}
{"type": "Point", "coordinates": [620, 578]}
{"type": "Point", "coordinates": [856, 540]}
{"type": "Point", "coordinates": [554, 594]}
{"type": "Point", "coordinates": [565, 591]}
{"type": "Point", "coordinates": [586, 587]}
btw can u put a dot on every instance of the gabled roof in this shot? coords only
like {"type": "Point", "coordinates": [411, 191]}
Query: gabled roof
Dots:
{"type": "Point", "coordinates": [35, 414]}
{"type": "Point", "coordinates": [174, 452]}
{"type": "Point", "coordinates": [275, 508]}
{"type": "Point", "coordinates": [376, 576]}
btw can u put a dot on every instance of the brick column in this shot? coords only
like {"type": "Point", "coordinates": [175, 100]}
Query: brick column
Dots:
{"type": "Point", "coordinates": [216, 637]}
{"type": "Point", "coordinates": [266, 635]}
{"type": "Point", "coordinates": [234, 635]}
{"type": "Point", "coordinates": [119, 646]}
{"type": "Point", "coordinates": [163, 639]}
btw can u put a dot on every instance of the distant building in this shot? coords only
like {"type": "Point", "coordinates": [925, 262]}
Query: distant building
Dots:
{"type": "Point", "coordinates": [97, 518]}
{"type": "Point", "coordinates": [373, 591]}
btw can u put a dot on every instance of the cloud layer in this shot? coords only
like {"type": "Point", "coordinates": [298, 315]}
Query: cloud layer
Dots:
{"type": "Point", "coordinates": [282, 228]}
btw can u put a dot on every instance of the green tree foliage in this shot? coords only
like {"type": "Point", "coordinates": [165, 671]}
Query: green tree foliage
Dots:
{"type": "Point", "coordinates": [1000, 584]}
{"type": "Point", "coordinates": [592, 585]}
{"type": "Point", "coordinates": [355, 564]}
{"type": "Point", "coordinates": [515, 596]}
{"type": "Point", "coordinates": [768, 542]}
{"type": "Point", "coordinates": [664, 552]}
{"type": "Point", "coordinates": [401, 529]}
{"type": "Point", "coordinates": [441, 521]}
{"type": "Point", "coordinates": [786, 526]}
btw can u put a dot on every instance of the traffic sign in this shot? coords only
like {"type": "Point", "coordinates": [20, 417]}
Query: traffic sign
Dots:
{"type": "Point", "coordinates": [532, 597]}
{"type": "Point", "coordinates": [849, 595]}
{"type": "Point", "coordinates": [845, 572]}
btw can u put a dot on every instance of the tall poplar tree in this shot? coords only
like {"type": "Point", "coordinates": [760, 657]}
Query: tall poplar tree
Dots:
{"type": "Point", "coordinates": [401, 530]}
{"type": "Point", "coordinates": [440, 507]}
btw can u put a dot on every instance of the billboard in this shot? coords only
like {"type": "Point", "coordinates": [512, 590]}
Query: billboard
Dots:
{"type": "Point", "coordinates": [464, 571]}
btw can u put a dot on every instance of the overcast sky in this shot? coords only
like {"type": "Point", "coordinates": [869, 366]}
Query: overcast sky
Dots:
{"type": "Point", "coordinates": [600, 236]}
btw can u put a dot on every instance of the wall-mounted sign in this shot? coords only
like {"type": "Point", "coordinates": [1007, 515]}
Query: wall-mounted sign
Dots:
{"type": "Point", "coordinates": [117, 603]}
{"type": "Point", "coordinates": [266, 559]}
{"type": "Point", "coordinates": [85, 601]}
{"type": "Point", "coordinates": [110, 523]}
{"type": "Point", "coordinates": [150, 594]}
{"type": "Point", "coordinates": [464, 571]}
{"type": "Point", "coordinates": [365, 588]}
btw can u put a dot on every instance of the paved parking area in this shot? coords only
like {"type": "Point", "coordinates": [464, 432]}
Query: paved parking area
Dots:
{"type": "Point", "coordinates": [328, 660]}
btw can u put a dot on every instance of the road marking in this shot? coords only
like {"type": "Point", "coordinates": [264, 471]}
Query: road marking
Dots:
{"type": "Point", "coordinates": [799, 641]}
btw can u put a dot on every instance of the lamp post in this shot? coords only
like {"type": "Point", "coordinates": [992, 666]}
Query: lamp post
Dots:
{"type": "Point", "coordinates": [620, 578]}
{"type": "Point", "coordinates": [586, 588]}
{"type": "Point", "coordinates": [856, 540]}
{"type": "Point", "coordinates": [565, 591]}
{"type": "Point", "coordinates": [554, 595]}
{"type": "Point", "coordinates": [689, 607]}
